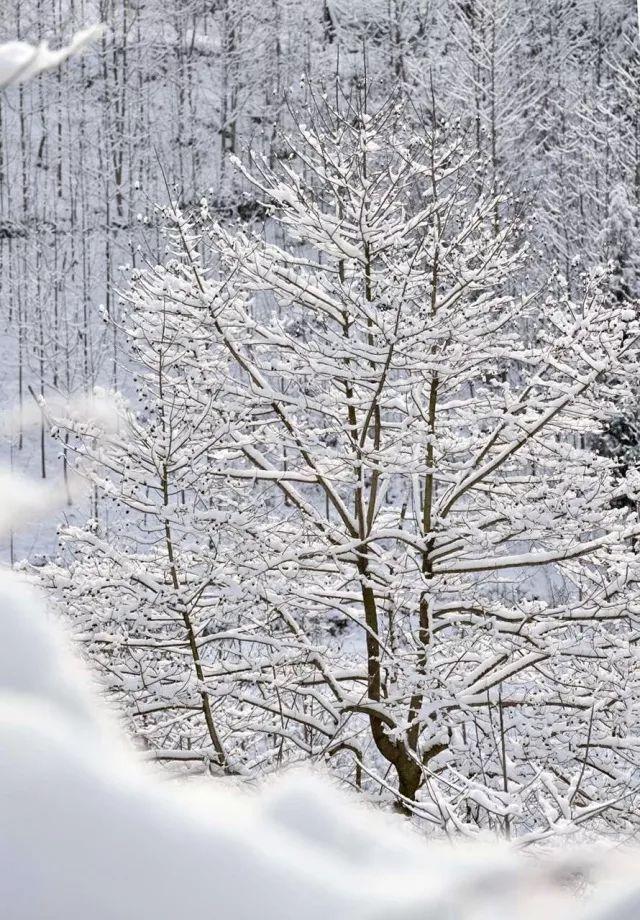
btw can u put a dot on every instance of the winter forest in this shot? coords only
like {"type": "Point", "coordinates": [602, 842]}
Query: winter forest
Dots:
{"type": "Point", "coordinates": [320, 373]}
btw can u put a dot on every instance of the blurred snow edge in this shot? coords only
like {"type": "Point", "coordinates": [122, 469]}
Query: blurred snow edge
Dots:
{"type": "Point", "coordinates": [88, 830]}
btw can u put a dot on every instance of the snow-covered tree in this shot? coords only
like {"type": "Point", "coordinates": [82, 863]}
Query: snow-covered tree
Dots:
{"type": "Point", "coordinates": [433, 583]}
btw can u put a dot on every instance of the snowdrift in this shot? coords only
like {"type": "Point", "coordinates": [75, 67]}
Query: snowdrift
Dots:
{"type": "Point", "coordinates": [89, 830]}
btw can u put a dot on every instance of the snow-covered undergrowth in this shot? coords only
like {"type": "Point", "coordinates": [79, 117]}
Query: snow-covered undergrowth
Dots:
{"type": "Point", "coordinates": [88, 830]}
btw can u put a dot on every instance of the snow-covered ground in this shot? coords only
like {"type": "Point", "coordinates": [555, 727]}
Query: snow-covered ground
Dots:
{"type": "Point", "coordinates": [88, 830]}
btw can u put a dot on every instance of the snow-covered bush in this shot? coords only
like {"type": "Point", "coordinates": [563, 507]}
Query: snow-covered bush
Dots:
{"type": "Point", "coordinates": [363, 525]}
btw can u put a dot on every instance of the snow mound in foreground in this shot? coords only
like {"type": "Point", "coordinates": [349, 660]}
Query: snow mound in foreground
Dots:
{"type": "Point", "coordinates": [19, 61]}
{"type": "Point", "coordinates": [86, 830]}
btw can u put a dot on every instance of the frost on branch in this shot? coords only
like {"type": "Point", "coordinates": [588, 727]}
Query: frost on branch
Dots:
{"type": "Point", "coordinates": [364, 522]}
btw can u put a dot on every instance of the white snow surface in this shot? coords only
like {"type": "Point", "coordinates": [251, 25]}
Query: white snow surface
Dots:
{"type": "Point", "coordinates": [88, 830]}
{"type": "Point", "coordinates": [19, 61]}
